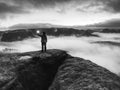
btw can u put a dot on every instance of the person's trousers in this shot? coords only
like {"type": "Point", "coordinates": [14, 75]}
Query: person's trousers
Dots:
{"type": "Point", "coordinates": [44, 47]}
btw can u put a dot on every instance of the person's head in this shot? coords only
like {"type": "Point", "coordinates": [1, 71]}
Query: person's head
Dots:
{"type": "Point", "coordinates": [44, 33]}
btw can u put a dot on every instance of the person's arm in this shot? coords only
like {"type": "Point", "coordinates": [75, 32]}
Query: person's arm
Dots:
{"type": "Point", "coordinates": [39, 35]}
{"type": "Point", "coordinates": [36, 36]}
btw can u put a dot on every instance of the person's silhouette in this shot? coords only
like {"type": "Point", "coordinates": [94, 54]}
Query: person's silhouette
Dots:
{"type": "Point", "coordinates": [43, 41]}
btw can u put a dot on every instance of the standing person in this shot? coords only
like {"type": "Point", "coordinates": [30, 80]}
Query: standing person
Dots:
{"type": "Point", "coordinates": [43, 41]}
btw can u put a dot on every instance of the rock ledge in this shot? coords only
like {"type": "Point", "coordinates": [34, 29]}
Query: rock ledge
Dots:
{"type": "Point", "coordinates": [56, 70]}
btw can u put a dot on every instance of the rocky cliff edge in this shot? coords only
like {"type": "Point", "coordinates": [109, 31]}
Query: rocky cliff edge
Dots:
{"type": "Point", "coordinates": [54, 70]}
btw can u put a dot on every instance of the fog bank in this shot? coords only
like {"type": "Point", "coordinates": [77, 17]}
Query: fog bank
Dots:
{"type": "Point", "coordinates": [107, 56]}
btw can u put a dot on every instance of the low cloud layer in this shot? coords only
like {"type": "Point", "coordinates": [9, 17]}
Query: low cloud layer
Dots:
{"type": "Point", "coordinates": [105, 55]}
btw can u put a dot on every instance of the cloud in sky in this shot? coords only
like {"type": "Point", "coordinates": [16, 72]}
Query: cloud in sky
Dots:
{"type": "Point", "coordinates": [113, 5]}
{"type": "Point", "coordinates": [108, 23]}
{"type": "Point", "coordinates": [7, 8]}
{"type": "Point", "coordinates": [66, 12]}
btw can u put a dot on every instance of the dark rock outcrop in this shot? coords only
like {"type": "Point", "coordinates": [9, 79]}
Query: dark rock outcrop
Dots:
{"type": "Point", "coordinates": [112, 43]}
{"type": "Point", "coordinates": [111, 30]}
{"type": "Point", "coordinates": [57, 70]}
{"type": "Point", "coordinates": [35, 70]}
{"type": "Point", "coordinates": [16, 35]}
{"type": "Point", "coordinates": [21, 34]}
{"type": "Point", "coordinates": [80, 74]}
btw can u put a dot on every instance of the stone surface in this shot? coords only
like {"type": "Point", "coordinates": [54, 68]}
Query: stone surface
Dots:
{"type": "Point", "coordinates": [53, 70]}
{"type": "Point", "coordinates": [80, 74]}
{"type": "Point", "coordinates": [36, 73]}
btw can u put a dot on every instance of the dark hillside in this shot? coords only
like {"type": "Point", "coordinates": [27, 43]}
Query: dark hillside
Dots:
{"type": "Point", "coordinates": [16, 35]}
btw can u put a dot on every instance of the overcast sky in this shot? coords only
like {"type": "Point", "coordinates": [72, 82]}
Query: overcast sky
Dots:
{"type": "Point", "coordinates": [60, 12]}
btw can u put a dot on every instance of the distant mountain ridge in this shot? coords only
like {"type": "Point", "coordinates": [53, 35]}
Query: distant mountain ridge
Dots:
{"type": "Point", "coordinates": [115, 23]}
{"type": "Point", "coordinates": [105, 25]}
{"type": "Point", "coordinates": [21, 34]}
{"type": "Point", "coordinates": [23, 31]}
{"type": "Point", "coordinates": [32, 26]}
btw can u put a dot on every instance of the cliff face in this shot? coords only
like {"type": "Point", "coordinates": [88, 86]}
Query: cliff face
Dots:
{"type": "Point", "coordinates": [55, 70]}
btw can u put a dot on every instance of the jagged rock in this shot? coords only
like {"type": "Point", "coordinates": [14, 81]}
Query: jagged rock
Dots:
{"type": "Point", "coordinates": [54, 70]}
{"type": "Point", "coordinates": [80, 74]}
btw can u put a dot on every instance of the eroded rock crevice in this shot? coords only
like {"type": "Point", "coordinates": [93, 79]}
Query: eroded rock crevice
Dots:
{"type": "Point", "coordinates": [39, 72]}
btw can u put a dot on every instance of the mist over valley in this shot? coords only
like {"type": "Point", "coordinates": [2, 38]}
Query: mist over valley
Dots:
{"type": "Point", "coordinates": [95, 45]}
